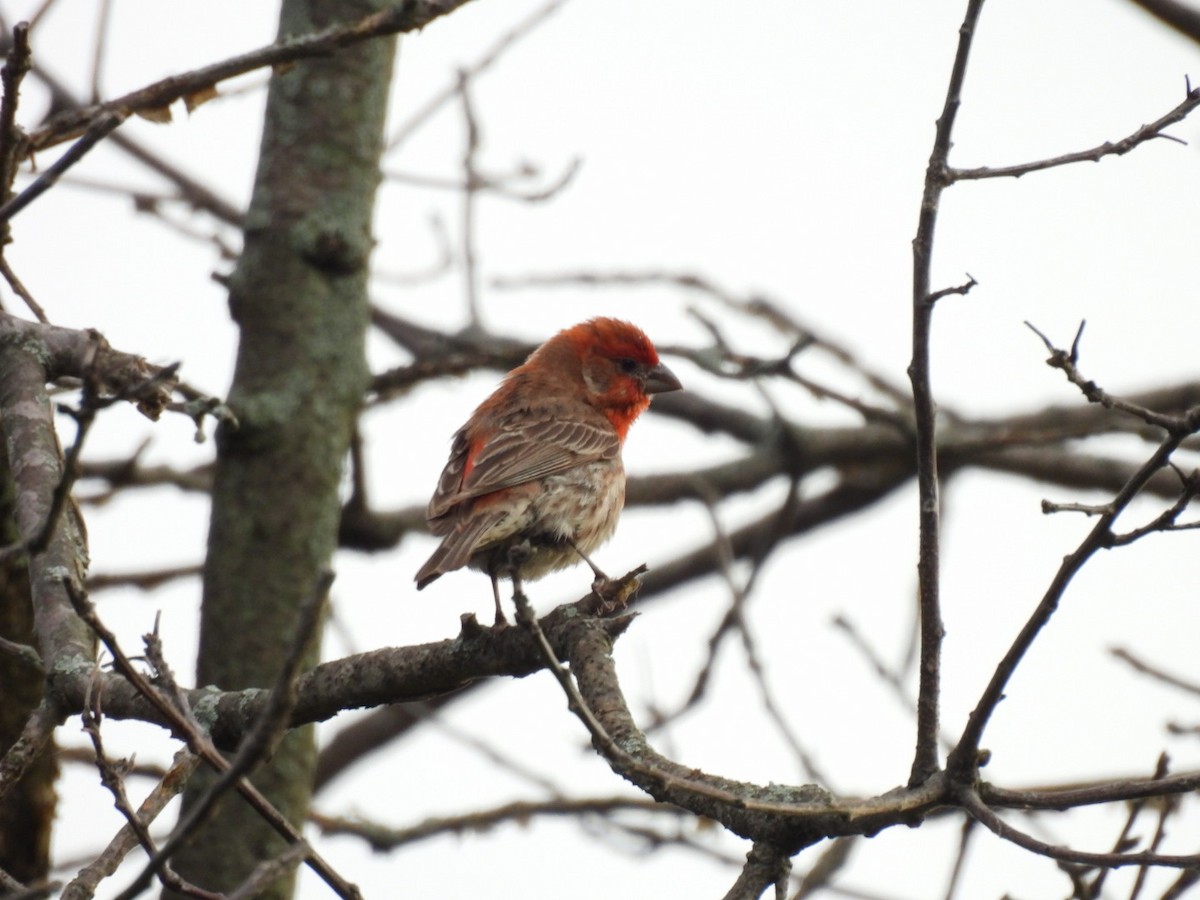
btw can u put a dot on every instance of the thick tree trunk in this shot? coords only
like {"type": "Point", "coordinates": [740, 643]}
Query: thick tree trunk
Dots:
{"type": "Point", "coordinates": [299, 297]}
{"type": "Point", "coordinates": [27, 811]}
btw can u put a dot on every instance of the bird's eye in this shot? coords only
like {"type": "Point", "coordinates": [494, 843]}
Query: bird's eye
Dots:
{"type": "Point", "coordinates": [627, 365]}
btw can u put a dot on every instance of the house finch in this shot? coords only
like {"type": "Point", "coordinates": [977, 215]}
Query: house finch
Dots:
{"type": "Point", "coordinates": [534, 482]}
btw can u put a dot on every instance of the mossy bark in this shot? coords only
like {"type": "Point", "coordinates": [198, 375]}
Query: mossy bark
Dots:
{"type": "Point", "coordinates": [299, 297]}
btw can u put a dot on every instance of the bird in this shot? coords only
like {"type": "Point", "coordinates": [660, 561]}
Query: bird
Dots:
{"type": "Point", "coordinates": [535, 482]}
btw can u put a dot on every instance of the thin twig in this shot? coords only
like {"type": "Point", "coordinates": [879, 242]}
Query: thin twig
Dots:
{"type": "Point", "coordinates": [103, 18]}
{"type": "Point", "coordinates": [972, 803]}
{"type": "Point", "coordinates": [1109, 790]}
{"type": "Point", "coordinates": [765, 867]}
{"type": "Point", "coordinates": [1124, 842]}
{"type": "Point", "coordinates": [962, 761]}
{"type": "Point", "coordinates": [96, 132]}
{"type": "Point", "coordinates": [393, 19]}
{"type": "Point", "coordinates": [12, 148]}
{"type": "Point", "coordinates": [12, 139]}
{"type": "Point", "coordinates": [754, 306]}
{"type": "Point", "coordinates": [20, 290]}
{"type": "Point", "coordinates": [1165, 808]}
{"type": "Point", "coordinates": [112, 776]}
{"type": "Point", "coordinates": [144, 581]}
{"type": "Point", "coordinates": [1183, 18]}
{"type": "Point", "coordinates": [440, 266]}
{"type": "Point", "coordinates": [1095, 154]}
{"type": "Point", "coordinates": [496, 185]}
{"type": "Point", "coordinates": [739, 595]}
{"type": "Point", "coordinates": [886, 673]}
{"type": "Point", "coordinates": [471, 186]}
{"type": "Point", "coordinates": [198, 742]}
{"type": "Point", "coordinates": [262, 738]}
{"type": "Point", "coordinates": [960, 858]}
{"type": "Point", "coordinates": [523, 28]}
{"type": "Point", "coordinates": [26, 749]}
{"type": "Point", "coordinates": [1067, 361]}
{"type": "Point", "coordinates": [268, 872]}
{"type": "Point", "coordinates": [381, 838]}
{"type": "Point", "coordinates": [1154, 672]}
{"type": "Point", "coordinates": [925, 757]}
{"type": "Point", "coordinates": [40, 12]}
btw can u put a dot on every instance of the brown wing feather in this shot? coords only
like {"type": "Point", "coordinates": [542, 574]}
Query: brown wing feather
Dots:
{"type": "Point", "coordinates": [519, 452]}
{"type": "Point", "coordinates": [449, 484]}
{"type": "Point", "coordinates": [456, 549]}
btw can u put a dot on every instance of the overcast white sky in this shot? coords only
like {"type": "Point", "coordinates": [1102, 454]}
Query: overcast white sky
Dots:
{"type": "Point", "coordinates": [774, 147]}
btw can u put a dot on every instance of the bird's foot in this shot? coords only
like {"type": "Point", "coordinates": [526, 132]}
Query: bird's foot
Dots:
{"type": "Point", "coordinates": [613, 594]}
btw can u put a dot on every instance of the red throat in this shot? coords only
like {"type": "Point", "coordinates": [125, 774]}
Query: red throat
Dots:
{"type": "Point", "coordinates": [624, 416]}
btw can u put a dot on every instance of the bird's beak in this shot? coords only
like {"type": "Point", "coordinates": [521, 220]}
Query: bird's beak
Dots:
{"type": "Point", "coordinates": [660, 379]}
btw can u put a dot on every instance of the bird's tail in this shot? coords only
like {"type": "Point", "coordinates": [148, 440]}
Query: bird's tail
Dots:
{"type": "Point", "coordinates": [456, 549]}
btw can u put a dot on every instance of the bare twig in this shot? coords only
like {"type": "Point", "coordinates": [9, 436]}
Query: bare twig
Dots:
{"type": "Point", "coordinates": [83, 756]}
{"type": "Point", "coordinates": [1124, 842]}
{"type": "Point", "coordinates": [765, 867]}
{"type": "Point", "coordinates": [820, 876]}
{"type": "Point", "coordinates": [754, 306]}
{"type": "Point", "coordinates": [97, 130]}
{"type": "Point", "coordinates": [1154, 672]}
{"type": "Point", "coordinates": [12, 139]}
{"type": "Point", "coordinates": [14, 890]}
{"type": "Point", "coordinates": [184, 724]}
{"type": "Point", "coordinates": [12, 148]}
{"type": "Point", "coordinates": [104, 17]}
{"type": "Point", "coordinates": [393, 19]}
{"type": "Point", "coordinates": [886, 674]}
{"type": "Point", "coordinates": [23, 753]}
{"type": "Point", "coordinates": [1186, 880]}
{"type": "Point", "coordinates": [739, 596]}
{"type": "Point", "coordinates": [382, 838]}
{"type": "Point", "coordinates": [268, 872]}
{"type": "Point", "coordinates": [960, 858]}
{"type": "Point", "coordinates": [191, 191]}
{"type": "Point", "coordinates": [1183, 18]}
{"type": "Point", "coordinates": [1165, 809]}
{"type": "Point", "coordinates": [259, 742]}
{"type": "Point", "coordinates": [986, 817]}
{"type": "Point", "coordinates": [1167, 520]}
{"type": "Point", "coordinates": [962, 760]}
{"type": "Point", "coordinates": [112, 776]}
{"type": "Point", "coordinates": [1095, 154]}
{"type": "Point", "coordinates": [1067, 362]}
{"type": "Point", "coordinates": [925, 757]}
{"type": "Point", "coordinates": [440, 266]}
{"type": "Point", "coordinates": [523, 28]}
{"type": "Point", "coordinates": [501, 186]}
{"type": "Point", "coordinates": [20, 290]}
{"type": "Point", "coordinates": [473, 181]}
{"type": "Point", "coordinates": [145, 581]}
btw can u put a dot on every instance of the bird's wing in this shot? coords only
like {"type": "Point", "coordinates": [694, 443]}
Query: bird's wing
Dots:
{"type": "Point", "coordinates": [456, 549]}
{"type": "Point", "coordinates": [519, 451]}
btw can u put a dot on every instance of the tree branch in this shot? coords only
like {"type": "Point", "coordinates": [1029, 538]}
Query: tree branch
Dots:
{"type": "Point", "coordinates": [925, 757]}
{"type": "Point", "coordinates": [1095, 154]}
{"type": "Point", "coordinates": [394, 19]}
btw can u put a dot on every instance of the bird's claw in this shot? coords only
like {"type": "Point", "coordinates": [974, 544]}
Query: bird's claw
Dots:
{"type": "Point", "coordinates": [613, 594]}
